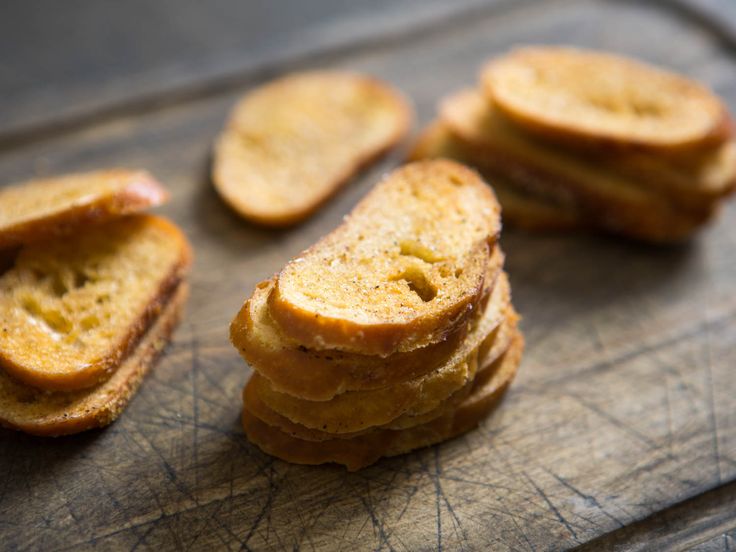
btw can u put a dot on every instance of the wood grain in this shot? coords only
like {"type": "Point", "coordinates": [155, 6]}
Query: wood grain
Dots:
{"type": "Point", "coordinates": [625, 404]}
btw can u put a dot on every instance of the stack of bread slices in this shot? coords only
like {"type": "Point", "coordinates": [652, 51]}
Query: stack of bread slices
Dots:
{"type": "Point", "coordinates": [393, 332]}
{"type": "Point", "coordinates": [573, 138]}
{"type": "Point", "coordinates": [90, 292]}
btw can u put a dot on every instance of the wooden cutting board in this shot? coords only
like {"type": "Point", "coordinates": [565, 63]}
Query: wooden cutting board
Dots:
{"type": "Point", "coordinates": [625, 404]}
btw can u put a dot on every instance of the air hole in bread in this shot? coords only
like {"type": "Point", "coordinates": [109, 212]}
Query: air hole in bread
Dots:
{"type": "Point", "coordinates": [413, 248]}
{"type": "Point", "coordinates": [456, 180]}
{"type": "Point", "coordinates": [418, 283]}
{"type": "Point", "coordinates": [61, 284]}
{"type": "Point", "coordinates": [51, 318]}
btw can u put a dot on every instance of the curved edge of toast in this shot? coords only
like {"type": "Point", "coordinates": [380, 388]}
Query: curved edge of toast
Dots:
{"type": "Point", "coordinates": [580, 137]}
{"type": "Point", "coordinates": [141, 192]}
{"type": "Point", "coordinates": [320, 375]}
{"type": "Point", "coordinates": [73, 412]}
{"type": "Point", "coordinates": [491, 350]}
{"type": "Point", "coordinates": [364, 450]}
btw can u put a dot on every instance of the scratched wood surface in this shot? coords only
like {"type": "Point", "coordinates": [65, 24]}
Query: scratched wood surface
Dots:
{"type": "Point", "coordinates": [620, 431]}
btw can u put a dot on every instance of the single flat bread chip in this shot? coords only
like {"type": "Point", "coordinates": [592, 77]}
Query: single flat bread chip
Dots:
{"type": "Point", "coordinates": [320, 375]}
{"type": "Point", "coordinates": [600, 98]}
{"type": "Point", "coordinates": [364, 450]}
{"type": "Point", "coordinates": [72, 308]}
{"type": "Point", "coordinates": [357, 410]}
{"type": "Point", "coordinates": [616, 203]}
{"type": "Point", "coordinates": [521, 208]}
{"type": "Point", "coordinates": [43, 209]}
{"type": "Point", "coordinates": [404, 270]}
{"type": "Point", "coordinates": [56, 413]}
{"type": "Point", "coordinates": [289, 145]}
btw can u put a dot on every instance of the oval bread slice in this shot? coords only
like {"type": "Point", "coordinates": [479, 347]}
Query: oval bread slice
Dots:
{"type": "Point", "coordinates": [320, 375]}
{"type": "Point", "coordinates": [356, 410]}
{"type": "Point", "coordinates": [596, 97]}
{"type": "Point", "coordinates": [403, 271]}
{"type": "Point", "coordinates": [290, 144]}
{"type": "Point", "coordinates": [70, 309]}
{"type": "Point", "coordinates": [52, 414]}
{"type": "Point", "coordinates": [42, 209]}
{"type": "Point", "coordinates": [364, 450]}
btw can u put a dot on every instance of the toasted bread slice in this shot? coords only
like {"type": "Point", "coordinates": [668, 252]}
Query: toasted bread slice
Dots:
{"type": "Point", "coordinates": [320, 375]}
{"type": "Point", "coordinates": [589, 96]}
{"type": "Point", "coordinates": [434, 404]}
{"type": "Point", "coordinates": [72, 308]}
{"type": "Point", "coordinates": [45, 413]}
{"type": "Point", "coordinates": [291, 144]}
{"type": "Point", "coordinates": [42, 209]}
{"type": "Point", "coordinates": [521, 208]}
{"type": "Point", "coordinates": [356, 410]}
{"type": "Point", "coordinates": [403, 271]}
{"type": "Point", "coordinates": [364, 450]}
{"type": "Point", "coordinates": [615, 203]}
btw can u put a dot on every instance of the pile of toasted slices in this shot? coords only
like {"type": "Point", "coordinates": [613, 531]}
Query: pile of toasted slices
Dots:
{"type": "Point", "coordinates": [572, 138]}
{"type": "Point", "coordinates": [90, 292]}
{"type": "Point", "coordinates": [393, 332]}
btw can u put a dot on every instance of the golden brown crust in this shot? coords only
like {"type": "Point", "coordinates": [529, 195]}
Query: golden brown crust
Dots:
{"type": "Point", "coordinates": [320, 375]}
{"type": "Point", "coordinates": [585, 98]}
{"type": "Point", "coordinates": [492, 348]}
{"type": "Point", "coordinates": [356, 410]}
{"type": "Point", "coordinates": [400, 247]}
{"type": "Point", "coordinates": [75, 200]}
{"type": "Point", "coordinates": [363, 450]}
{"type": "Point", "coordinates": [91, 373]}
{"type": "Point", "coordinates": [45, 413]}
{"type": "Point", "coordinates": [277, 170]}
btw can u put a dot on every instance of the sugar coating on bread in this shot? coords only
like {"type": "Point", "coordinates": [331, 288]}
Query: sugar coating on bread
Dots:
{"type": "Point", "coordinates": [71, 308]}
{"type": "Point", "coordinates": [41, 209]}
{"type": "Point", "coordinates": [46, 413]}
{"type": "Point", "coordinates": [521, 208]}
{"type": "Point", "coordinates": [356, 410]}
{"type": "Point", "coordinates": [291, 143]}
{"type": "Point", "coordinates": [595, 96]}
{"type": "Point", "coordinates": [405, 268]}
{"type": "Point", "coordinates": [320, 375]}
{"type": "Point", "coordinates": [363, 450]}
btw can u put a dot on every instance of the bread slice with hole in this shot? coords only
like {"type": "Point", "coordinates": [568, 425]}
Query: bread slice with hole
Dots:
{"type": "Point", "coordinates": [357, 410]}
{"type": "Point", "coordinates": [364, 450]}
{"type": "Point", "coordinates": [617, 203]}
{"type": "Point", "coordinates": [403, 271]}
{"type": "Point", "coordinates": [320, 375]}
{"type": "Point", "coordinates": [57, 413]}
{"type": "Point", "coordinates": [521, 208]}
{"type": "Point", "coordinates": [43, 209]}
{"type": "Point", "coordinates": [585, 97]}
{"type": "Point", "coordinates": [72, 308]}
{"type": "Point", "coordinates": [292, 143]}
